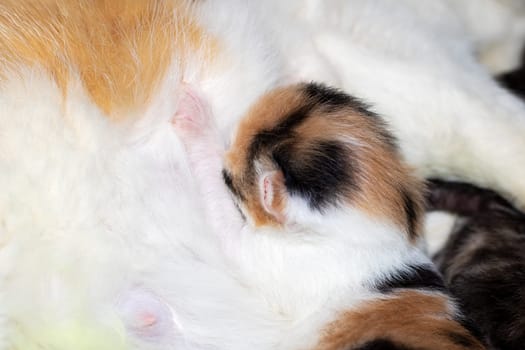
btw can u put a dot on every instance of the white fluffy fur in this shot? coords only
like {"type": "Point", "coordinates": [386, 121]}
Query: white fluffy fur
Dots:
{"type": "Point", "coordinates": [497, 29]}
{"type": "Point", "coordinates": [89, 210]}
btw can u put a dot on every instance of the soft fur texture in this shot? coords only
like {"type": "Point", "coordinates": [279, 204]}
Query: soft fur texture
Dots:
{"type": "Point", "coordinates": [327, 222]}
{"type": "Point", "coordinates": [98, 208]}
{"type": "Point", "coordinates": [483, 261]}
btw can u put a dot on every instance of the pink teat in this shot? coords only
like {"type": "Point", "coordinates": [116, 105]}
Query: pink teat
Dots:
{"type": "Point", "coordinates": [145, 314]}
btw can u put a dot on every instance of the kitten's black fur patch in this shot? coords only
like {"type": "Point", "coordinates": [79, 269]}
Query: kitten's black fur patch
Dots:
{"type": "Point", "coordinates": [411, 213]}
{"type": "Point", "coordinates": [417, 277]}
{"type": "Point", "coordinates": [483, 262]}
{"type": "Point", "coordinates": [382, 344]}
{"type": "Point", "coordinates": [333, 99]}
{"type": "Point", "coordinates": [229, 183]}
{"type": "Point", "coordinates": [321, 175]}
{"type": "Point", "coordinates": [279, 133]}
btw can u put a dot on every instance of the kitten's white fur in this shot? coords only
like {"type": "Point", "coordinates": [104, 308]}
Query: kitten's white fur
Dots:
{"type": "Point", "coordinates": [90, 210]}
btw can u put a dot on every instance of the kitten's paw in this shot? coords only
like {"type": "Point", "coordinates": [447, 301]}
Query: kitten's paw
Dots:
{"type": "Point", "coordinates": [193, 116]}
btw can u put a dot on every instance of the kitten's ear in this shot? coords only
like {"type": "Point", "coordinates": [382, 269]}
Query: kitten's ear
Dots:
{"type": "Point", "coordinates": [272, 192]}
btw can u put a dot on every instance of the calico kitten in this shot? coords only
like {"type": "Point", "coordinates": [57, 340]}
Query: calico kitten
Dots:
{"type": "Point", "coordinates": [483, 261]}
{"type": "Point", "coordinates": [327, 205]}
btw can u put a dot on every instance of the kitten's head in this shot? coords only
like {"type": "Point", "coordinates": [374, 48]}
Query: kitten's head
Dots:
{"type": "Point", "coordinates": [318, 148]}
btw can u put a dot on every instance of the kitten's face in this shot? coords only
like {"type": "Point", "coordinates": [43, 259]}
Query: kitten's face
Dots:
{"type": "Point", "coordinates": [323, 147]}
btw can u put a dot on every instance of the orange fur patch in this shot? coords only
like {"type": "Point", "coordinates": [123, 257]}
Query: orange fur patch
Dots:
{"type": "Point", "coordinates": [266, 113]}
{"type": "Point", "coordinates": [413, 319]}
{"type": "Point", "coordinates": [269, 111]}
{"type": "Point", "coordinates": [385, 184]}
{"type": "Point", "coordinates": [120, 49]}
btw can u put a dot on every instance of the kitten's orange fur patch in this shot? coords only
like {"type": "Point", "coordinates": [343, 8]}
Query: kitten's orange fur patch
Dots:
{"type": "Point", "coordinates": [267, 112]}
{"type": "Point", "coordinates": [382, 178]}
{"type": "Point", "coordinates": [414, 319]}
{"type": "Point", "coordinates": [120, 49]}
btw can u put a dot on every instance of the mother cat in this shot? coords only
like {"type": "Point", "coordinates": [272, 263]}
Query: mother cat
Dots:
{"type": "Point", "coordinates": [100, 221]}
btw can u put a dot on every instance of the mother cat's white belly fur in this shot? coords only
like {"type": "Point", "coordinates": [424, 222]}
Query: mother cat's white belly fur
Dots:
{"type": "Point", "coordinates": [89, 214]}
{"type": "Point", "coordinates": [117, 207]}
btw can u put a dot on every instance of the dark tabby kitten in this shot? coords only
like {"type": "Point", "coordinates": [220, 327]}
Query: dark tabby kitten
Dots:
{"type": "Point", "coordinates": [483, 262]}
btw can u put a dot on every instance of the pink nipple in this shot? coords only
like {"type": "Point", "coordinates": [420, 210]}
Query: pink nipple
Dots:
{"type": "Point", "coordinates": [145, 315]}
